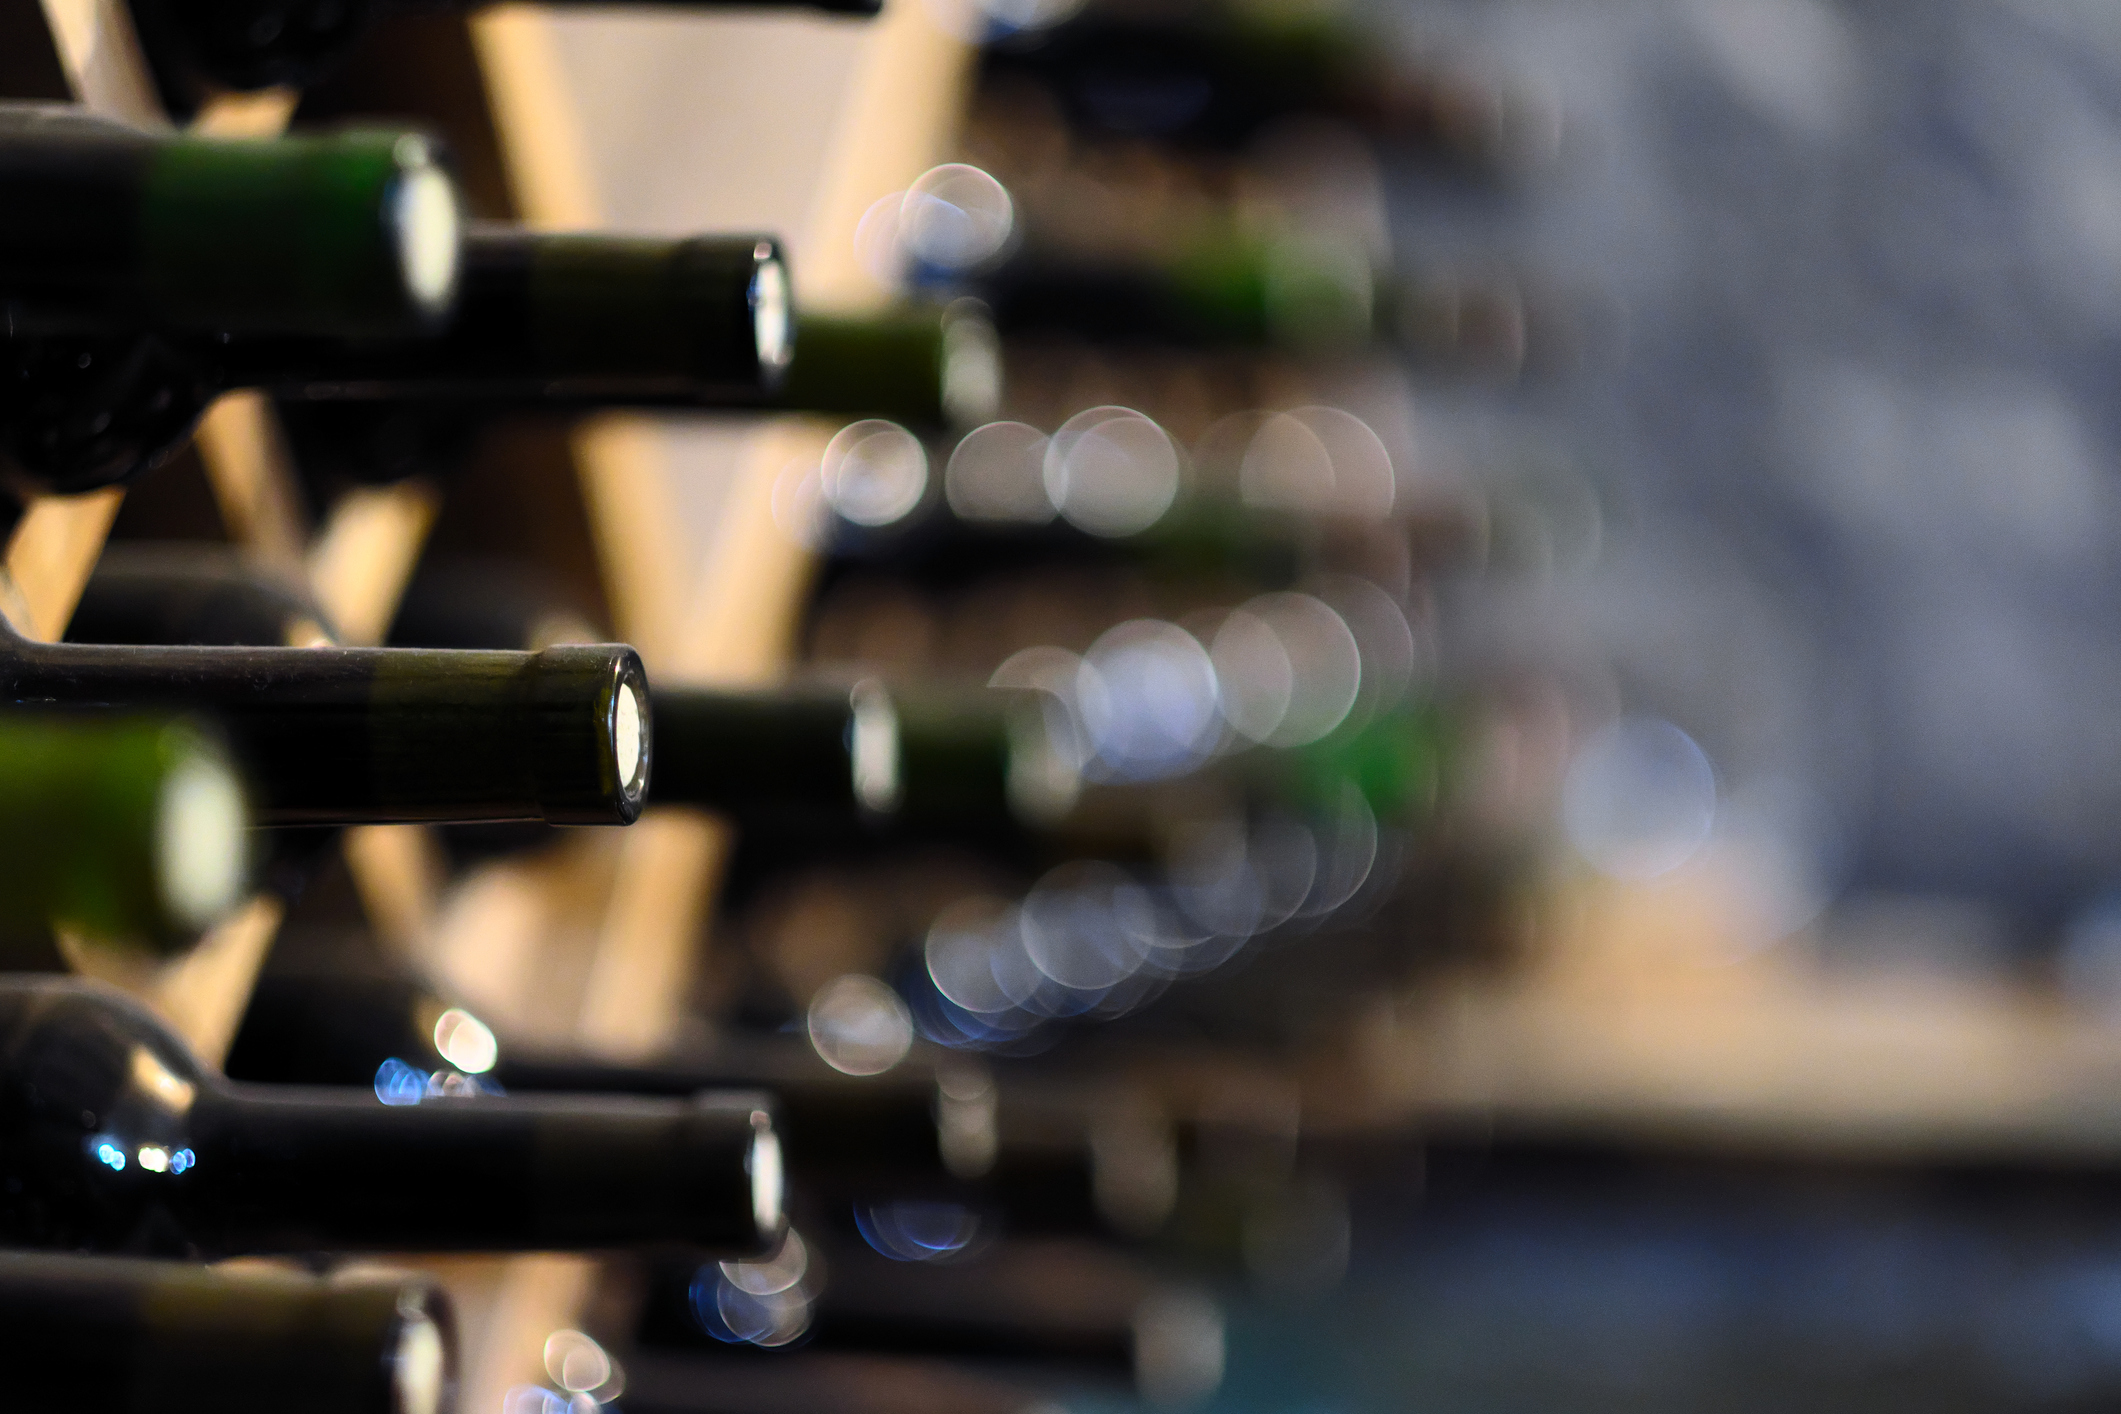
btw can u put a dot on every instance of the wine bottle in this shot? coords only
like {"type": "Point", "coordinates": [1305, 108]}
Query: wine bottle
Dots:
{"type": "Point", "coordinates": [385, 1027]}
{"type": "Point", "coordinates": [353, 735]}
{"type": "Point", "coordinates": [802, 757]}
{"type": "Point", "coordinates": [922, 365]}
{"type": "Point", "coordinates": [106, 227]}
{"type": "Point", "coordinates": [930, 1128]}
{"type": "Point", "coordinates": [111, 1335]}
{"type": "Point", "coordinates": [1220, 74]}
{"type": "Point", "coordinates": [114, 1138]}
{"type": "Point", "coordinates": [200, 595]}
{"type": "Point", "coordinates": [980, 759]}
{"type": "Point", "coordinates": [128, 831]}
{"type": "Point", "coordinates": [196, 45]}
{"type": "Point", "coordinates": [1306, 295]}
{"type": "Point", "coordinates": [1046, 1302]}
{"type": "Point", "coordinates": [563, 319]}
{"type": "Point", "coordinates": [543, 320]}
{"type": "Point", "coordinates": [797, 753]}
{"type": "Point", "coordinates": [779, 753]}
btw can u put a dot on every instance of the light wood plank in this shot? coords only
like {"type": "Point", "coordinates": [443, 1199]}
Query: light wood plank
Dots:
{"type": "Point", "coordinates": [248, 467]}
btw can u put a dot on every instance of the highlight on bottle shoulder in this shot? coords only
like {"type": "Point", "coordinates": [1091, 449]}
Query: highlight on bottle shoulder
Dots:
{"type": "Point", "coordinates": [118, 1335]}
{"type": "Point", "coordinates": [106, 227]}
{"type": "Point", "coordinates": [131, 832]}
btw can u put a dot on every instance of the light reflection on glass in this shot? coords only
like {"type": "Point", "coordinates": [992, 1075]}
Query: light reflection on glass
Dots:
{"type": "Point", "coordinates": [578, 1364]}
{"type": "Point", "coordinates": [749, 1303]}
{"type": "Point", "coordinates": [917, 1231]}
{"type": "Point", "coordinates": [960, 942]}
{"type": "Point", "coordinates": [535, 1399]}
{"type": "Point", "coordinates": [1640, 799]}
{"type": "Point", "coordinates": [1148, 696]}
{"type": "Point", "coordinates": [1111, 471]}
{"type": "Point", "coordinates": [955, 217]}
{"type": "Point", "coordinates": [1068, 928]}
{"type": "Point", "coordinates": [873, 472]}
{"type": "Point", "coordinates": [465, 1041]}
{"type": "Point", "coordinates": [399, 1083]}
{"type": "Point", "coordinates": [1318, 460]}
{"type": "Point", "coordinates": [858, 1026]}
{"type": "Point", "coordinates": [997, 473]}
{"type": "Point", "coordinates": [1289, 669]}
{"type": "Point", "coordinates": [771, 1275]}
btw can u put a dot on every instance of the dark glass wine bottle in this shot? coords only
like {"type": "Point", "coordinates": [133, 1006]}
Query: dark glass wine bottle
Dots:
{"type": "Point", "coordinates": [1217, 75]}
{"type": "Point", "coordinates": [563, 319]}
{"type": "Point", "coordinates": [130, 832]}
{"type": "Point", "coordinates": [104, 226]}
{"type": "Point", "coordinates": [194, 594]}
{"type": "Point", "coordinates": [368, 735]}
{"type": "Point", "coordinates": [543, 320]}
{"type": "Point", "coordinates": [779, 753]}
{"type": "Point", "coordinates": [870, 1132]}
{"type": "Point", "coordinates": [109, 1335]}
{"type": "Point", "coordinates": [114, 1138]}
{"type": "Point", "coordinates": [1044, 1302]}
{"type": "Point", "coordinates": [195, 45]}
{"type": "Point", "coordinates": [112, 239]}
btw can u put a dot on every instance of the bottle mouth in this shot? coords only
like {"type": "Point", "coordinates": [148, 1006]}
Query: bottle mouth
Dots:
{"type": "Point", "coordinates": [874, 750]}
{"type": "Point", "coordinates": [419, 1366]}
{"type": "Point", "coordinates": [426, 226]}
{"type": "Point", "coordinates": [772, 309]}
{"type": "Point", "coordinates": [972, 365]}
{"type": "Point", "coordinates": [199, 841]}
{"type": "Point", "coordinates": [763, 1164]}
{"type": "Point", "coordinates": [629, 742]}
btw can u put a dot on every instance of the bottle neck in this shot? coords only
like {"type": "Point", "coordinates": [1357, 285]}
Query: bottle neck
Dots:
{"type": "Point", "coordinates": [297, 1170]}
{"type": "Point", "coordinates": [777, 753]}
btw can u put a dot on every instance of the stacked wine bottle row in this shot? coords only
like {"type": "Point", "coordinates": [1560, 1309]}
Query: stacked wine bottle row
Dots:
{"type": "Point", "coordinates": [1095, 702]}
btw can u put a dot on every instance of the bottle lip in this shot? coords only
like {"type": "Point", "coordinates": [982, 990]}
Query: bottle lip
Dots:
{"type": "Point", "coordinates": [873, 748]}
{"type": "Point", "coordinates": [422, 1367]}
{"type": "Point", "coordinates": [772, 301]}
{"type": "Point", "coordinates": [426, 227]}
{"type": "Point", "coordinates": [199, 834]}
{"type": "Point", "coordinates": [768, 1180]}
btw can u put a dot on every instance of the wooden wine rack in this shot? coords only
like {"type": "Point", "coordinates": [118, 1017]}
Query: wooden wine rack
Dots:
{"type": "Point", "coordinates": [800, 124]}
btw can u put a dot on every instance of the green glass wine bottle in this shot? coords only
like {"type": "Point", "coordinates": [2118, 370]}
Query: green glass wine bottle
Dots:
{"type": "Point", "coordinates": [926, 366]}
{"type": "Point", "coordinates": [104, 226]}
{"type": "Point", "coordinates": [128, 831]}
{"type": "Point", "coordinates": [1309, 295]}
